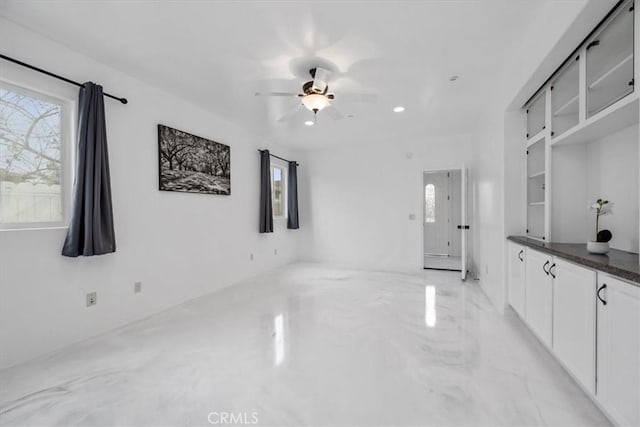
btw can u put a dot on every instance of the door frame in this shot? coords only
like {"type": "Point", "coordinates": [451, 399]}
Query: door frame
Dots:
{"type": "Point", "coordinates": [422, 203]}
{"type": "Point", "coordinates": [465, 208]}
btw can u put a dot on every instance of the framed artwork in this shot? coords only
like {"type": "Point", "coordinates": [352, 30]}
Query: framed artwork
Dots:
{"type": "Point", "coordinates": [192, 164]}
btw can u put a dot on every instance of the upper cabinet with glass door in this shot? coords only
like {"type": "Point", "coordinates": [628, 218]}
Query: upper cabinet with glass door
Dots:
{"type": "Point", "coordinates": [536, 113]}
{"type": "Point", "coordinates": [609, 57]}
{"type": "Point", "coordinates": [565, 104]}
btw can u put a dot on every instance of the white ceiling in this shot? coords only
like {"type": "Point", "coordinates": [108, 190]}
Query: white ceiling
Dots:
{"type": "Point", "coordinates": [218, 54]}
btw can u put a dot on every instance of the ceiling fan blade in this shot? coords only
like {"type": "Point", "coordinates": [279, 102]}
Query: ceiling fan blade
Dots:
{"type": "Point", "coordinates": [367, 98]}
{"type": "Point", "coordinates": [276, 94]}
{"type": "Point", "coordinates": [334, 113]}
{"type": "Point", "coordinates": [289, 114]}
{"type": "Point", "coordinates": [320, 79]}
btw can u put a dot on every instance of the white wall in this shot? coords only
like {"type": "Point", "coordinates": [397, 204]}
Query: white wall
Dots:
{"type": "Point", "coordinates": [359, 199]}
{"type": "Point", "coordinates": [179, 245]}
{"type": "Point", "coordinates": [488, 204]}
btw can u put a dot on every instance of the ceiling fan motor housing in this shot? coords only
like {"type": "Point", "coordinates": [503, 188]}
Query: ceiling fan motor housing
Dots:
{"type": "Point", "coordinates": [308, 89]}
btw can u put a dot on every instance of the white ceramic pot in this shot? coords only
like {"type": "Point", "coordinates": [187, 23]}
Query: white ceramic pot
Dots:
{"type": "Point", "coordinates": [598, 247]}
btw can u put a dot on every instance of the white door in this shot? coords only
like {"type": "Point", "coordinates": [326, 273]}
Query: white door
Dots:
{"type": "Point", "coordinates": [464, 221]}
{"type": "Point", "coordinates": [574, 320]}
{"type": "Point", "coordinates": [436, 213]}
{"type": "Point", "coordinates": [618, 386]}
{"type": "Point", "coordinates": [516, 277]}
{"type": "Point", "coordinates": [539, 291]}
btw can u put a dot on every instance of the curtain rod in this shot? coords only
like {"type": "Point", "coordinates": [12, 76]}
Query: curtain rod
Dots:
{"type": "Point", "coordinates": [278, 157]}
{"type": "Point", "coordinates": [49, 73]}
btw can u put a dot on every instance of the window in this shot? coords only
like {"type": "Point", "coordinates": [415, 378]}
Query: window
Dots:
{"type": "Point", "coordinates": [279, 190]}
{"type": "Point", "coordinates": [429, 203]}
{"type": "Point", "coordinates": [33, 137]}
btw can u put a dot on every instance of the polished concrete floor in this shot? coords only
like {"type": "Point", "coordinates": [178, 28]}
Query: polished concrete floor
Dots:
{"type": "Point", "coordinates": [307, 345]}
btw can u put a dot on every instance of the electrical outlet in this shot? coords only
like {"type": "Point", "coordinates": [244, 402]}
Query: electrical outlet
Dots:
{"type": "Point", "coordinates": [275, 252]}
{"type": "Point", "coordinates": [251, 257]}
{"type": "Point", "coordinates": [137, 287]}
{"type": "Point", "coordinates": [92, 299]}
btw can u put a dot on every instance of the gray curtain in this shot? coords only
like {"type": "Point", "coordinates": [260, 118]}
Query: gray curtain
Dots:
{"type": "Point", "coordinates": [292, 197]}
{"type": "Point", "coordinates": [91, 228]}
{"type": "Point", "coordinates": [266, 209]}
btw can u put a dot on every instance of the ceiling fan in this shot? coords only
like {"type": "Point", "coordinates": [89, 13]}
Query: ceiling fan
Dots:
{"type": "Point", "coordinates": [315, 96]}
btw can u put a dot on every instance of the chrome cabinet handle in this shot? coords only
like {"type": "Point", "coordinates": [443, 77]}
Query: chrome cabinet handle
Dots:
{"type": "Point", "coordinates": [544, 269]}
{"type": "Point", "coordinates": [551, 272]}
{"type": "Point", "coordinates": [603, 287]}
{"type": "Point", "coordinates": [520, 255]}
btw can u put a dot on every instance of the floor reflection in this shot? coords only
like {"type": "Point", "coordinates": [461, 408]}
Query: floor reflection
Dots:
{"type": "Point", "coordinates": [430, 306]}
{"type": "Point", "coordinates": [278, 322]}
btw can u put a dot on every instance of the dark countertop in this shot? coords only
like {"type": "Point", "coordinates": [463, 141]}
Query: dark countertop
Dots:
{"type": "Point", "coordinates": [625, 265]}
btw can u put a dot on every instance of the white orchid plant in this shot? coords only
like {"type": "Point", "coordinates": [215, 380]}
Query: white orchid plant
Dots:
{"type": "Point", "coordinates": [602, 207]}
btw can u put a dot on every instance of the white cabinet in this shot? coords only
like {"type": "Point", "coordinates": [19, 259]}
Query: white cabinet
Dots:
{"type": "Point", "coordinates": [610, 59]}
{"type": "Point", "coordinates": [565, 105]}
{"type": "Point", "coordinates": [536, 115]}
{"type": "Point", "coordinates": [536, 190]}
{"type": "Point", "coordinates": [516, 283]}
{"type": "Point", "coordinates": [574, 320]}
{"type": "Point", "coordinates": [589, 320]}
{"type": "Point", "coordinates": [539, 295]}
{"type": "Point", "coordinates": [618, 386]}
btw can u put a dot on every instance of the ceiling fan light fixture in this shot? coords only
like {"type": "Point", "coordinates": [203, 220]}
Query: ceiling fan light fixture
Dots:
{"type": "Point", "coordinates": [398, 109]}
{"type": "Point", "coordinates": [309, 123]}
{"type": "Point", "coordinates": [315, 102]}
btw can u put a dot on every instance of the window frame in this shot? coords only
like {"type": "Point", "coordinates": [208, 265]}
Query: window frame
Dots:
{"type": "Point", "coordinates": [285, 190]}
{"type": "Point", "coordinates": [67, 153]}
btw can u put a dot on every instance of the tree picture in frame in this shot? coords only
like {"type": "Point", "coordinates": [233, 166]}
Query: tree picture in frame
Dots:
{"type": "Point", "coordinates": [192, 164]}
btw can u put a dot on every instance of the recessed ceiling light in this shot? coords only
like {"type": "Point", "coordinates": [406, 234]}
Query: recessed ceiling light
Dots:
{"type": "Point", "coordinates": [309, 123]}
{"type": "Point", "coordinates": [398, 109]}
{"type": "Point", "coordinates": [453, 78]}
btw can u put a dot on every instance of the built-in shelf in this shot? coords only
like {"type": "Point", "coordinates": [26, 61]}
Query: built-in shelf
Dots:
{"type": "Point", "coordinates": [536, 138]}
{"type": "Point", "coordinates": [618, 116]}
{"type": "Point", "coordinates": [610, 72]}
{"type": "Point", "coordinates": [536, 203]}
{"type": "Point", "coordinates": [565, 106]}
{"type": "Point", "coordinates": [536, 175]}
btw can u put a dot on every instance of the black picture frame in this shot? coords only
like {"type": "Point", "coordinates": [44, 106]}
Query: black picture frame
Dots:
{"type": "Point", "coordinates": [192, 164]}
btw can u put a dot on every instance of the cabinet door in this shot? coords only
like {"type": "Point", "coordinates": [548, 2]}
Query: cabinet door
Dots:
{"type": "Point", "coordinates": [610, 62]}
{"type": "Point", "coordinates": [516, 278]}
{"type": "Point", "coordinates": [618, 386]}
{"type": "Point", "coordinates": [574, 320]}
{"type": "Point", "coordinates": [536, 115]}
{"type": "Point", "coordinates": [539, 295]}
{"type": "Point", "coordinates": [564, 99]}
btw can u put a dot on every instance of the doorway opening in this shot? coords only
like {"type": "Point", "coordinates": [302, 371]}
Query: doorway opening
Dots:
{"type": "Point", "coordinates": [443, 221]}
